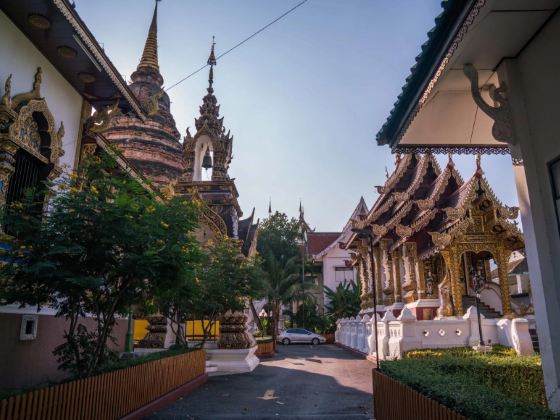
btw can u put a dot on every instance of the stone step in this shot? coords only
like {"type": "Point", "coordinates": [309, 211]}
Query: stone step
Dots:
{"type": "Point", "coordinates": [485, 310]}
{"type": "Point", "coordinates": [535, 340]}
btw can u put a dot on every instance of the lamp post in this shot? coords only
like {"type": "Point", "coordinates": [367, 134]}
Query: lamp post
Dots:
{"type": "Point", "coordinates": [478, 282]}
{"type": "Point", "coordinates": [367, 233]}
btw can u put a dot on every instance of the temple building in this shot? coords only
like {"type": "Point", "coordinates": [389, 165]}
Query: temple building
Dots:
{"type": "Point", "coordinates": [152, 144]}
{"type": "Point", "coordinates": [53, 73]}
{"type": "Point", "coordinates": [486, 80]}
{"type": "Point", "coordinates": [435, 238]}
{"type": "Point", "coordinates": [196, 169]}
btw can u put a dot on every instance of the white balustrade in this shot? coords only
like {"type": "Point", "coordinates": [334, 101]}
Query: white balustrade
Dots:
{"type": "Point", "coordinates": [397, 335]}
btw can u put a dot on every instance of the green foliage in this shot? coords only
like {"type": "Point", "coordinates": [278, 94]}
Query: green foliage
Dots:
{"type": "Point", "coordinates": [279, 238]}
{"type": "Point", "coordinates": [102, 246]}
{"type": "Point", "coordinates": [344, 301]}
{"type": "Point", "coordinates": [500, 385]}
{"type": "Point", "coordinates": [225, 279]}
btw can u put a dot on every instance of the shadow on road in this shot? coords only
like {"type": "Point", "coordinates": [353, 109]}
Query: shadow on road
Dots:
{"type": "Point", "coordinates": [313, 382]}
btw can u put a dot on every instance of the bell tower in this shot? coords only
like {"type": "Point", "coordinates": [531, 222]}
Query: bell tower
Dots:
{"type": "Point", "coordinates": [211, 147]}
{"type": "Point", "coordinates": [207, 156]}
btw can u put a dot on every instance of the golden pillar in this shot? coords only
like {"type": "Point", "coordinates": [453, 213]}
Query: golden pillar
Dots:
{"type": "Point", "coordinates": [387, 270]}
{"type": "Point", "coordinates": [502, 261]}
{"type": "Point", "coordinates": [364, 273]}
{"type": "Point", "coordinates": [396, 257]}
{"type": "Point", "coordinates": [378, 280]}
{"type": "Point", "coordinates": [453, 261]}
{"type": "Point", "coordinates": [409, 264]}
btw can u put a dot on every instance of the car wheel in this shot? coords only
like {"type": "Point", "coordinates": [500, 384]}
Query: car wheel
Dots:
{"type": "Point", "coordinates": [286, 341]}
{"type": "Point", "coordinates": [315, 341]}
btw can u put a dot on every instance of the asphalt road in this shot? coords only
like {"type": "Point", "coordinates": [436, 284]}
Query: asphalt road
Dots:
{"type": "Point", "coordinates": [300, 382]}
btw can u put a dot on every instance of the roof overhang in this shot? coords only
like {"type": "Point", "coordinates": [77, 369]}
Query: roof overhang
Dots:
{"type": "Point", "coordinates": [84, 59]}
{"type": "Point", "coordinates": [436, 110]}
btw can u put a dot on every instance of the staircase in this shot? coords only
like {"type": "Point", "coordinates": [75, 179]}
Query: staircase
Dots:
{"type": "Point", "coordinates": [535, 340]}
{"type": "Point", "coordinates": [485, 310]}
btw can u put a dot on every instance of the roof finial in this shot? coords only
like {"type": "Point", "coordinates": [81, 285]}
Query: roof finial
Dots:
{"type": "Point", "coordinates": [386, 172]}
{"type": "Point", "coordinates": [211, 62]}
{"type": "Point", "coordinates": [150, 55]}
{"type": "Point", "coordinates": [450, 158]}
{"type": "Point", "coordinates": [397, 158]}
{"type": "Point", "coordinates": [269, 206]}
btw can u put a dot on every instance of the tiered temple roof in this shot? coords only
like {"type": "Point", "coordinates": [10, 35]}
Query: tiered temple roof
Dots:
{"type": "Point", "coordinates": [153, 145]}
{"type": "Point", "coordinates": [421, 203]}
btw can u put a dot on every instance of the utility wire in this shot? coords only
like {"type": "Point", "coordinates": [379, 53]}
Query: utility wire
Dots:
{"type": "Point", "coordinates": [240, 43]}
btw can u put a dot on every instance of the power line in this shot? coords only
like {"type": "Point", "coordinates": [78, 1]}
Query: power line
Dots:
{"type": "Point", "coordinates": [240, 43]}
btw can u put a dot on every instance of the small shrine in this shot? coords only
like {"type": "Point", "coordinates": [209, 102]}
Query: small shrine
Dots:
{"type": "Point", "coordinates": [435, 239]}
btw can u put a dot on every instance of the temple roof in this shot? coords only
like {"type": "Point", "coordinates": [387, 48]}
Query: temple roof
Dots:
{"type": "Point", "coordinates": [319, 241]}
{"type": "Point", "coordinates": [432, 52]}
{"type": "Point", "coordinates": [419, 200]}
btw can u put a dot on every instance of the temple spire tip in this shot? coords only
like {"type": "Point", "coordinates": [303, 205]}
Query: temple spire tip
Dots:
{"type": "Point", "coordinates": [150, 55]}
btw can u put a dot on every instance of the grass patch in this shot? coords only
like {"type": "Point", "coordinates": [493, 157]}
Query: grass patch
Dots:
{"type": "Point", "coordinates": [265, 339]}
{"type": "Point", "coordinates": [499, 385]}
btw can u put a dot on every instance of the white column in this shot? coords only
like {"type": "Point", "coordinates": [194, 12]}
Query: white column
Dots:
{"type": "Point", "coordinates": [539, 228]}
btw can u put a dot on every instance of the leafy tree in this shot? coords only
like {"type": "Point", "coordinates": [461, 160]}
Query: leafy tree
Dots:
{"type": "Point", "coordinates": [284, 285]}
{"type": "Point", "coordinates": [102, 246]}
{"type": "Point", "coordinates": [226, 279]}
{"type": "Point", "coordinates": [344, 301]}
{"type": "Point", "coordinates": [279, 238]}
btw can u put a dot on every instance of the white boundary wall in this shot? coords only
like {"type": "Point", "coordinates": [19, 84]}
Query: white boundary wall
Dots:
{"type": "Point", "coordinates": [398, 335]}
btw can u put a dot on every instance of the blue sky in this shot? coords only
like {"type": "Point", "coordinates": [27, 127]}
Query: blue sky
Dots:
{"type": "Point", "coordinates": [304, 99]}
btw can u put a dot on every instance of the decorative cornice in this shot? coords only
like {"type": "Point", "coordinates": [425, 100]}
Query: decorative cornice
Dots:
{"type": "Point", "coordinates": [455, 149]}
{"type": "Point", "coordinates": [100, 56]}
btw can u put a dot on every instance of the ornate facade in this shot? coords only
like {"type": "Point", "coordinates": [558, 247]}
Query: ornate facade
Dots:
{"type": "Point", "coordinates": [432, 234]}
{"type": "Point", "coordinates": [29, 141]}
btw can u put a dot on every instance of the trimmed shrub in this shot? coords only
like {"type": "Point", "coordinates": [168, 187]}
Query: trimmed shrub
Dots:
{"type": "Point", "coordinates": [500, 385]}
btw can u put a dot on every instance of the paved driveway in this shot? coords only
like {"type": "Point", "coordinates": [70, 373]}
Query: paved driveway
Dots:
{"type": "Point", "coordinates": [300, 382]}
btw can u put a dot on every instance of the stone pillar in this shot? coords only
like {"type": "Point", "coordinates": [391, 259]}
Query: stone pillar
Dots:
{"type": "Point", "coordinates": [410, 267]}
{"type": "Point", "coordinates": [387, 270]}
{"type": "Point", "coordinates": [397, 261]}
{"type": "Point", "coordinates": [502, 261]}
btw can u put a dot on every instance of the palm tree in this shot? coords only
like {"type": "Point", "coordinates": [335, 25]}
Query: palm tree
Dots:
{"type": "Point", "coordinates": [284, 285]}
{"type": "Point", "coordinates": [344, 301]}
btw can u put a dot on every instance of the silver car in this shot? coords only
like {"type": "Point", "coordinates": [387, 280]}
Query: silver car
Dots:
{"type": "Point", "coordinates": [299, 335]}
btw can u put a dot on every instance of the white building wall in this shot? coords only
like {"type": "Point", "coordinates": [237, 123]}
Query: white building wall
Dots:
{"type": "Point", "coordinates": [533, 91]}
{"type": "Point", "coordinates": [19, 57]}
{"type": "Point", "coordinates": [335, 257]}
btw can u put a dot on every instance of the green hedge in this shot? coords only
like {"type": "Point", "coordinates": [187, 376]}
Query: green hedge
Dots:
{"type": "Point", "coordinates": [500, 385]}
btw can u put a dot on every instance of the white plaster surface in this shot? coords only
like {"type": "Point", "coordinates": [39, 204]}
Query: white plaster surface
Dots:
{"type": "Point", "coordinates": [19, 57]}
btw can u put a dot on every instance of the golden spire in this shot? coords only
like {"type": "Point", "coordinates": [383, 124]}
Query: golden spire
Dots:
{"type": "Point", "coordinates": [150, 54]}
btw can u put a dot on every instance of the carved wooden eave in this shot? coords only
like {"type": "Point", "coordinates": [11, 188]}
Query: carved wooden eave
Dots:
{"type": "Point", "coordinates": [398, 173]}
